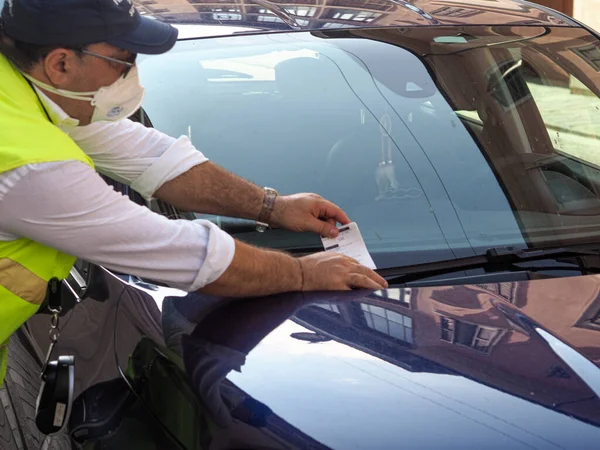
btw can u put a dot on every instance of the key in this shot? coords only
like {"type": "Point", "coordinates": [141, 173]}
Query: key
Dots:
{"type": "Point", "coordinates": [50, 349]}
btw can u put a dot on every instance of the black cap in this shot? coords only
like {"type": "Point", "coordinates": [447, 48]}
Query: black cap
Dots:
{"type": "Point", "coordinates": [76, 23]}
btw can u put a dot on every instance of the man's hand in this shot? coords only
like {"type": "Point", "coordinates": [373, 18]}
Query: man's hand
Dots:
{"type": "Point", "coordinates": [328, 271]}
{"type": "Point", "coordinates": [256, 272]}
{"type": "Point", "coordinates": [307, 212]}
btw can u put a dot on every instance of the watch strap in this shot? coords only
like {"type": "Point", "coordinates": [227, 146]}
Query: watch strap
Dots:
{"type": "Point", "coordinates": [267, 208]}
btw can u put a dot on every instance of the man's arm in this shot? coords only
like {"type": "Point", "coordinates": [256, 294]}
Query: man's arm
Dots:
{"type": "Point", "coordinates": [158, 165]}
{"type": "Point", "coordinates": [67, 206]}
{"type": "Point", "coordinates": [210, 189]}
{"type": "Point", "coordinates": [257, 272]}
{"type": "Point", "coordinates": [143, 158]}
{"type": "Point", "coordinates": [173, 169]}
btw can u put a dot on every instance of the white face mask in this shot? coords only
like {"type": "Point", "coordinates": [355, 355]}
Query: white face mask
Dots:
{"type": "Point", "coordinates": [111, 103]}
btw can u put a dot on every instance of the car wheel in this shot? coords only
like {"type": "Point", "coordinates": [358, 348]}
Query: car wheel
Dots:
{"type": "Point", "coordinates": [17, 398]}
{"type": "Point", "coordinates": [9, 432]}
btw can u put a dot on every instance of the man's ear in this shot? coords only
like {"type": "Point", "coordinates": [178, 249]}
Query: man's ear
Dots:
{"type": "Point", "coordinates": [61, 66]}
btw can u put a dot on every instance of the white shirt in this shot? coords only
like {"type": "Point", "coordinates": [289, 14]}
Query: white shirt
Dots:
{"type": "Point", "coordinates": [67, 206]}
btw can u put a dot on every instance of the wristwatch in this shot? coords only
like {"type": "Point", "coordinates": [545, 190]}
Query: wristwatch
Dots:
{"type": "Point", "coordinates": [262, 223]}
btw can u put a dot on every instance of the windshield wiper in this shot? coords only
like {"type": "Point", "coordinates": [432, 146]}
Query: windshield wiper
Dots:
{"type": "Point", "coordinates": [494, 260]}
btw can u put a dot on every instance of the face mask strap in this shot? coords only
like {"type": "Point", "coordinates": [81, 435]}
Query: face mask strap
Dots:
{"type": "Point", "coordinates": [106, 106]}
{"type": "Point", "coordinates": [83, 96]}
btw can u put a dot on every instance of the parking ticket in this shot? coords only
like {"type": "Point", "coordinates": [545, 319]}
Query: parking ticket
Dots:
{"type": "Point", "coordinates": [350, 243]}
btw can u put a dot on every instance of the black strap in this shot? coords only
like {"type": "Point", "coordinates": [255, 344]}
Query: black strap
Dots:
{"type": "Point", "coordinates": [54, 294]}
{"type": "Point", "coordinates": [39, 99]}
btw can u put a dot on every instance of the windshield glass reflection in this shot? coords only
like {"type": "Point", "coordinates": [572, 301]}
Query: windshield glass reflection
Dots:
{"type": "Point", "coordinates": [438, 146]}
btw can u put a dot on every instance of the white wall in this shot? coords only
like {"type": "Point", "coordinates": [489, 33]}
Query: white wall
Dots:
{"type": "Point", "coordinates": [588, 12]}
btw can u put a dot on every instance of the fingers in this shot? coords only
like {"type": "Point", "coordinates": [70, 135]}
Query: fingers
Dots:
{"type": "Point", "coordinates": [364, 278]}
{"type": "Point", "coordinates": [374, 276]}
{"type": "Point", "coordinates": [362, 282]}
{"type": "Point", "coordinates": [324, 227]}
{"type": "Point", "coordinates": [376, 281]}
{"type": "Point", "coordinates": [334, 271]}
{"type": "Point", "coordinates": [308, 212]}
{"type": "Point", "coordinates": [330, 210]}
{"type": "Point", "coordinates": [329, 220]}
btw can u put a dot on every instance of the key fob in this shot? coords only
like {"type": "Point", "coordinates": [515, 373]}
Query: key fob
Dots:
{"type": "Point", "coordinates": [53, 406]}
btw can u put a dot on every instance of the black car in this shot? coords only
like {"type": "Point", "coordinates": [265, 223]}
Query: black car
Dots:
{"type": "Point", "coordinates": [462, 139]}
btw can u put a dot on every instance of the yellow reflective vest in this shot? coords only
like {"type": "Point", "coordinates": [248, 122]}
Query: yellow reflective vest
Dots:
{"type": "Point", "coordinates": [27, 137]}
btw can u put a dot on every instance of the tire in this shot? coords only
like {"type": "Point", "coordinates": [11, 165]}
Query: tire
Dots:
{"type": "Point", "coordinates": [9, 431]}
{"type": "Point", "coordinates": [18, 397]}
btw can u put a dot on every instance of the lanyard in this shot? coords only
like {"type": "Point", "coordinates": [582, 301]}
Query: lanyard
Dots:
{"type": "Point", "coordinates": [54, 306]}
{"type": "Point", "coordinates": [39, 99]}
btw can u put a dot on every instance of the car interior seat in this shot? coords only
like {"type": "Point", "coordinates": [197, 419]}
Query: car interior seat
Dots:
{"type": "Point", "coordinates": [510, 151]}
{"type": "Point", "coordinates": [316, 108]}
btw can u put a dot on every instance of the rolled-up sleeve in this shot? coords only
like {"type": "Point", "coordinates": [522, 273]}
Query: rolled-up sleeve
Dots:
{"type": "Point", "coordinates": [143, 158]}
{"type": "Point", "coordinates": [67, 206]}
{"type": "Point", "coordinates": [220, 248]}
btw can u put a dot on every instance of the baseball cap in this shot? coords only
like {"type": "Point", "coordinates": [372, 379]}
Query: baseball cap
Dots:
{"type": "Point", "coordinates": [76, 23]}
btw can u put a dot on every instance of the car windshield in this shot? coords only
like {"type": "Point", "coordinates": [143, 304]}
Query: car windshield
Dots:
{"type": "Point", "coordinates": [439, 142]}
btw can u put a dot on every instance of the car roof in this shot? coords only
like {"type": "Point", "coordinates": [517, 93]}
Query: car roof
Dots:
{"type": "Point", "coordinates": [248, 16]}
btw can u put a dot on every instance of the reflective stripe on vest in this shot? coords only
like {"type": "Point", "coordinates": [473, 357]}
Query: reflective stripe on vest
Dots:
{"type": "Point", "coordinates": [28, 137]}
{"type": "Point", "coordinates": [22, 282]}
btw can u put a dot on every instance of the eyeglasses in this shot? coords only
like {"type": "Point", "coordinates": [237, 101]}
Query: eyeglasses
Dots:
{"type": "Point", "coordinates": [130, 62]}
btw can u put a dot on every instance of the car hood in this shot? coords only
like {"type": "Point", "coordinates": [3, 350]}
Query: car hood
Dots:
{"type": "Point", "coordinates": [506, 365]}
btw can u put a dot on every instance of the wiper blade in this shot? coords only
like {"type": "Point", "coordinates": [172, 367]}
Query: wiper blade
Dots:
{"type": "Point", "coordinates": [494, 260]}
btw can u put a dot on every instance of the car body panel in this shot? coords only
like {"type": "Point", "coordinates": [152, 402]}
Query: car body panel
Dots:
{"type": "Point", "coordinates": [369, 389]}
{"type": "Point", "coordinates": [369, 370]}
{"type": "Point", "coordinates": [265, 16]}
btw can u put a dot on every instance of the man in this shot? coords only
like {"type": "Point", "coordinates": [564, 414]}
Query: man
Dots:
{"type": "Point", "coordinates": [68, 81]}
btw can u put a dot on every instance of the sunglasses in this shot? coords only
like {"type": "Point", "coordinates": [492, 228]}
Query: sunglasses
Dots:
{"type": "Point", "coordinates": [130, 62]}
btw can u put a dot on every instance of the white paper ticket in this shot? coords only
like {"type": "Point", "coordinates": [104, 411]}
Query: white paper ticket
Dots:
{"type": "Point", "coordinates": [350, 243]}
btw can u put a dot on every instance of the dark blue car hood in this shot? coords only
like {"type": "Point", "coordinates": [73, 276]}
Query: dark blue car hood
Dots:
{"type": "Point", "coordinates": [498, 365]}
{"type": "Point", "coordinates": [507, 365]}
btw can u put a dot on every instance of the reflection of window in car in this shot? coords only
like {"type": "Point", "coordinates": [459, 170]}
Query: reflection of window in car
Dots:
{"type": "Point", "coordinates": [590, 54]}
{"type": "Point", "coordinates": [590, 318]}
{"type": "Point", "coordinates": [388, 322]}
{"type": "Point", "coordinates": [469, 335]}
{"type": "Point", "coordinates": [451, 11]}
{"type": "Point", "coordinates": [505, 290]}
{"type": "Point", "coordinates": [402, 296]}
{"type": "Point", "coordinates": [329, 307]}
